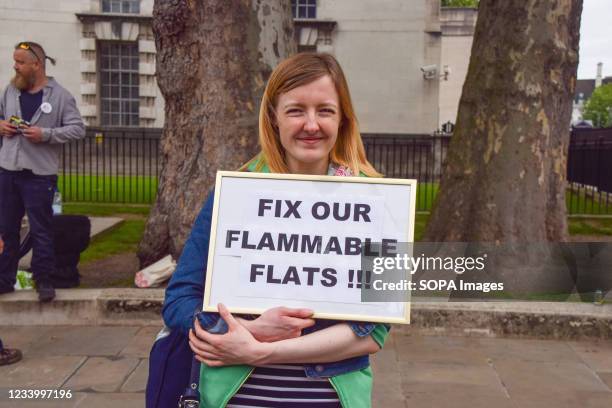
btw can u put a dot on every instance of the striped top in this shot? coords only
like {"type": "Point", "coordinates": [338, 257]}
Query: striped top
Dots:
{"type": "Point", "coordinates": [282, 386]}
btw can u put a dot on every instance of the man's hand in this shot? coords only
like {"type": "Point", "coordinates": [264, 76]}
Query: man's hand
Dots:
{"type": "Point", "coordinates": [237, 346]}
{"type": "Point", "coordinates": [33, 134]}
{"type": "Point", "coordinates": [279, 323]}
{"type": "Point", "coordinates": [6, 129]}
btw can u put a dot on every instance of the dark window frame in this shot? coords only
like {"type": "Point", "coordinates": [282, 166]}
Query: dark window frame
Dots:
{"type": "Point", "coordinates": [120, 6]}
{"type": "Point", "coordinates": [304, 9]}
{"type": "Point", "coordinates": [119, 83]}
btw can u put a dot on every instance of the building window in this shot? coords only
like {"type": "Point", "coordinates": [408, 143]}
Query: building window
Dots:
{"type": "Point", "coordinates": [121, 6]}
{"type": "Point", "coordinates": [119, 81]}
{"type": "Point", "coordinates": [304, 8]}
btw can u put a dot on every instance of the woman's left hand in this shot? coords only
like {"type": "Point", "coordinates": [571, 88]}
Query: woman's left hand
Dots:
{"type": "Point", "coordinates": [237, 346]}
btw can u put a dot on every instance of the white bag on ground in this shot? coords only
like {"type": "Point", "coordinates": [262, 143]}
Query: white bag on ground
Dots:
{"type": "Point", "coordinates": [155, 274]}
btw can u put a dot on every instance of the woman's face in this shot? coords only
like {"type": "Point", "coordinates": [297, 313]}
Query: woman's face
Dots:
{"type": "Point", "coordinates": [308, 118]}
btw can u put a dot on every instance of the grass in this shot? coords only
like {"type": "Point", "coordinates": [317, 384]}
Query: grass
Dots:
{"type": "Point", "coordinates": [590, 226]}
{"type": "Point", "coordinates": [108, 189]}
{"type": "Point", "coordinates": [124, 238]}
{"type": "Point", "coordinates": [143, 189]}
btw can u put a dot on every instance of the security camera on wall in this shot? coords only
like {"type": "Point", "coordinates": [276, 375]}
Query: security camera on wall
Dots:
{"type": "Point", "coordinates": [430, 71]}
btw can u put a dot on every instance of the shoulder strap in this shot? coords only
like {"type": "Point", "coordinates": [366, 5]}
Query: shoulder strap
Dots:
{"type": "Point", "coordinates": [191, 395]}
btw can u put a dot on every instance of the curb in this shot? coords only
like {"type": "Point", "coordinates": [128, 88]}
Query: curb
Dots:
{"type": "Point", "coordinates": [141, 307]}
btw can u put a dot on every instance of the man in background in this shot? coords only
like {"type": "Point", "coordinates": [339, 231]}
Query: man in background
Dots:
{"type": "Point", "coordinates": [37, 116]}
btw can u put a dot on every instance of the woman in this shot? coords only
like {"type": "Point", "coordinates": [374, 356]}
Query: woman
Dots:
{"type": "Point", "coordinates": [283, 358]}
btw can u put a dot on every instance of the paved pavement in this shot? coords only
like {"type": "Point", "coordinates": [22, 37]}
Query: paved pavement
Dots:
{"type": "Point", "coordinates": [106, 366]}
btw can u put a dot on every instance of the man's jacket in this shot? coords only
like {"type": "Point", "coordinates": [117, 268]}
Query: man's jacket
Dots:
{"type": "Point", "coordinates": [59, 119]}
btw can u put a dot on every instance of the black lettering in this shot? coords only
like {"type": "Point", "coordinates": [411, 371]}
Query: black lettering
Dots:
{"type": "Point", "coordinates": [352, 246]}
{"type": "Point", "coordinates": [292, 276]}
{"type": "Point", "coordinates": [266, 242]}
{"type": "Point", "coordinates": [330, 279]}
{"type": "Point", "coordinates": [270, 277]}
{"type": "Point", "coordinates": [245, 241]}
{"type": "Point", "coordinates": [362, 210]}
{"type": "Point", "coordinates": [277, 210]}
{"type": "Point", "coordinates": [368, 251]}
{"type": "Point", "coordinates": [315, 211]}
{"type": "Point", "coordinates": [231, 237]}
{"type": "Point", "coordinates": [255, 271]}
{"type": "Point", "coordinates": [312, 247]}
{"type": "Point", "coordinates": [290, 245]}
{"type": "Point", "coordinates": [347, 212]}
{"type": "Point", "coordinates": [263, 206]}
{"type": "Point", "coordinates": [292, 209]}
{"type": "Point", "coordinates": [333, 245]}
{"type": "Point", "coordinates": [311, 272]}
{"type": "Point", "coordinates": [389, 247]}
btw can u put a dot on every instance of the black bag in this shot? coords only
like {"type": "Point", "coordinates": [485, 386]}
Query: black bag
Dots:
{"type": "Point", "coordinates": [70, 238]}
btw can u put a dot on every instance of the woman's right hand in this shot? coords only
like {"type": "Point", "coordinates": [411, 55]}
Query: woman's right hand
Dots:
{"type": "Point", "coordinates": [279, 323]}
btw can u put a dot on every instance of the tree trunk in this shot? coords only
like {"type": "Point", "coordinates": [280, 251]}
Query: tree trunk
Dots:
{"type": "Point", "coordinates": [213, 60]}
{"type": "Point", "coordinates": [504, 179]}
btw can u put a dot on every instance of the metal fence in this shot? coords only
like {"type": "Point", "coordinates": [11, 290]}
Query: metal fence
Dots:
{"type": "Point", "coordinates": [589, 171]}
{"type": "Point", "coordinates": [115, 165]}
{"type": "Point", "coordinates": [121, 165]}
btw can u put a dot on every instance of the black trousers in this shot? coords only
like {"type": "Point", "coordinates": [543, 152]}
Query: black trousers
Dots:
{"type": "Point", "coordinates": [23, 192]}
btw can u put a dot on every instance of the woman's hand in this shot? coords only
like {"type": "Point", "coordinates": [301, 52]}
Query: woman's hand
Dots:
{"type": "Point", "coordinates": [237, 346]}
{"type": "Point", "coordinates": [279, 323]}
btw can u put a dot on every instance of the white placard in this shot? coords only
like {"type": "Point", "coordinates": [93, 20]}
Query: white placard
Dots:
{"type": "Point", "coordinates": [296, 241]}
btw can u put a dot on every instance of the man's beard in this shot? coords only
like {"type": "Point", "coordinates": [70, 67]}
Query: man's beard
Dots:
{"type": "Point", "coordinates": [22, 82]}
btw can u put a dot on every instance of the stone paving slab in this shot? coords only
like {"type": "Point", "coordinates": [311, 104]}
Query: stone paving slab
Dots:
{"type": "Point", "coordinates": [541, 381]}
{"type": "Point", "coordinates": [447, 373]}
{"type": "Point", "coordinates": [412, 371]}
{"type": "Point", "coordinates": [597, 355]}
{"type": "Point", "coordinates": [87, 341]}
{"type": "Point", "coordinates": [606, 378]}
{"type": "Point", "coordinates": [137, 381]}
{"type": "Point", "coordinates": [41, 372]}
{"type": "Point", "coordinates": [102, 374]}
{"type": "Point", "coordinates": [24, 336]}
{"type": "Point", "coordinates": [437, 349]}
{"type": "Point", "coordinates": [141, 343]}
{"type": "Point", "coordinates": [106, 400]}
{"type": "Point", "coordinates": [44, 403]}
{"type": "Point", "coordinates": [527, 350]}
{"type": "Point", "coordinates": [451, 395]}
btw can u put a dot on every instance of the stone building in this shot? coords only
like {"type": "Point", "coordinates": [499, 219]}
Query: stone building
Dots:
{"type": "Point", "coordinates": [393, 55]}
{"type": "Point", "coordinates": [457, 26]}
{"type": "Point", "coordinates": [105, 54]}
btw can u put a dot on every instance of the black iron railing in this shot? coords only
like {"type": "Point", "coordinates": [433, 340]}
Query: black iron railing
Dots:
{"type": "Point", "coordinates": [121, 165]}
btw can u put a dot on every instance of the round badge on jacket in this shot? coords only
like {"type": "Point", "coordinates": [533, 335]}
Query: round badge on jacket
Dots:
{"type": "Point", "coordinates": [46, 107]}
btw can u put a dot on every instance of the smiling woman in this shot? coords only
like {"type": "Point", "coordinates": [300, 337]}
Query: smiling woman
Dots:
{"type": "Point", "coordinates": [283, 357]}
{"type": "Point", "coordinates": [307, 119]}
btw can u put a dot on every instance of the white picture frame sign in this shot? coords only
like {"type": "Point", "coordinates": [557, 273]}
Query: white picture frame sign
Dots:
{"type": "Point", "coordinates": [291, 240]}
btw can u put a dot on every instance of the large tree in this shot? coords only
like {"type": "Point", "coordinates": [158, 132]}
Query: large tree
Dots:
{"type": "Point", "coordinates": [213, 59]}
{"type": "Point", "coordinates": [505, 175]}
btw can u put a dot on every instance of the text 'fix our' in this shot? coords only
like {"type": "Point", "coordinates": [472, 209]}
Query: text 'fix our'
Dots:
{"type": "Point", "coordinates": [320, 210]}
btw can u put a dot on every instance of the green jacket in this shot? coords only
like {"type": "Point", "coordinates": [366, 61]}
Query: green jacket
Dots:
{"type": "Point", "coordinates": [219, 384]}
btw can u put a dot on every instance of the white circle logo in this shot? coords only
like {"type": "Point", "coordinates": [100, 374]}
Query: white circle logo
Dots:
{"type": "Point", "coordinates": [46, 107]}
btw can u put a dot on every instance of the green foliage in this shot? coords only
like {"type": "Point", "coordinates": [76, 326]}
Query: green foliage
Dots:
{"type": "Point", "coordinates": [599, 106]}
{"type": "Point", "coordinates": [460, 3]}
